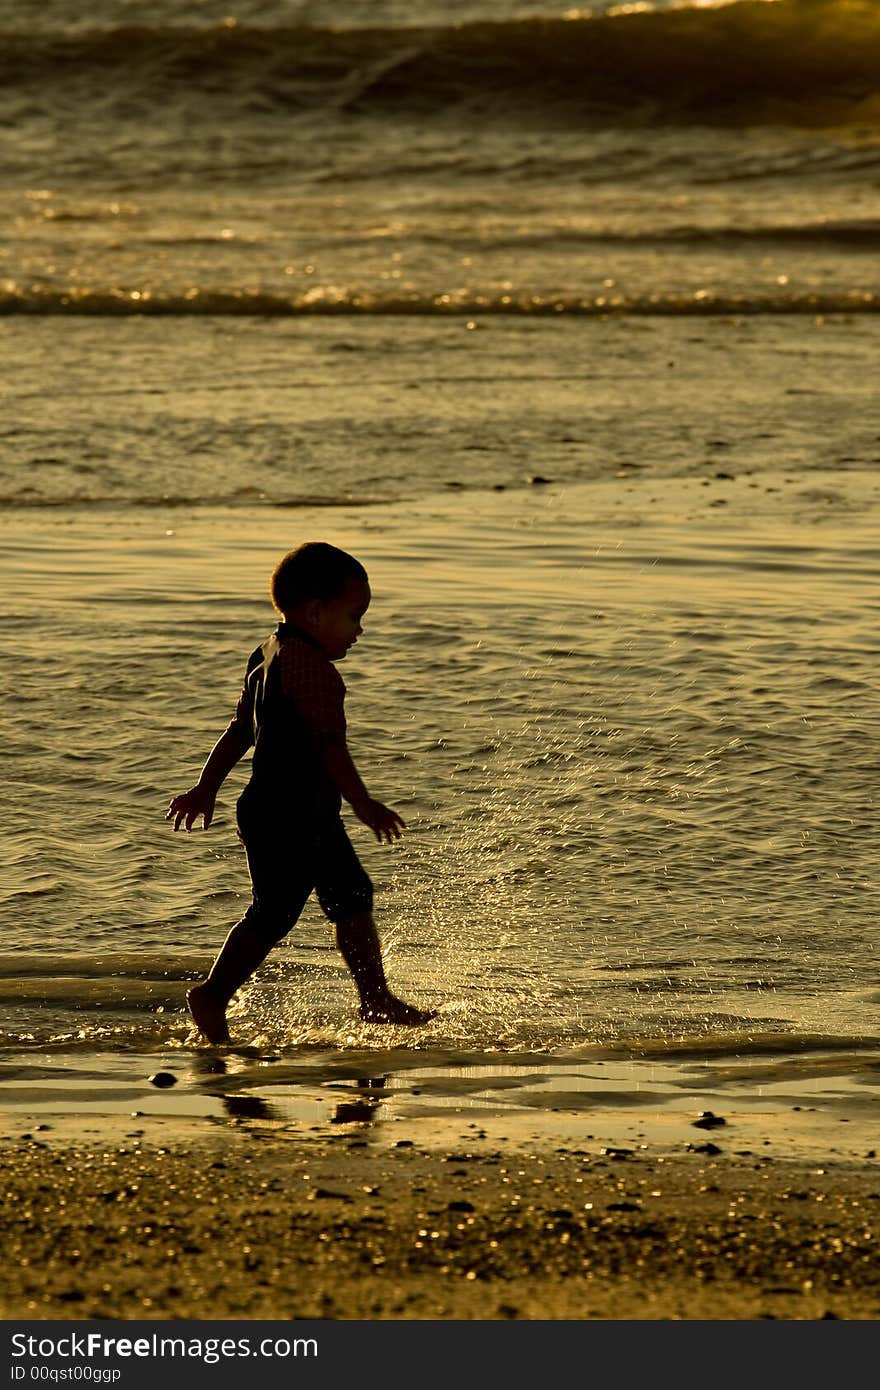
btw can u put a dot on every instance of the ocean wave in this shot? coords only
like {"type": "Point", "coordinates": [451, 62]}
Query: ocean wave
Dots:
{"type": "Point", "coordinates": [329, 1050]}
{"type": "Point", "coordinates": [855, 234]}
{"type": "Point", "coordinates": [112, 965]}
{"type": "Point", "coordinates": [734, 1046]}
{"type": "Point", "coordinates": [337, 300]}
{"type": "Point", "coordinates": [707, 64]}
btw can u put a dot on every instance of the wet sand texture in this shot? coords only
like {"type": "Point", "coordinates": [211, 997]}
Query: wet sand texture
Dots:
{"type": "Point", "coordinates": [251, 1225]}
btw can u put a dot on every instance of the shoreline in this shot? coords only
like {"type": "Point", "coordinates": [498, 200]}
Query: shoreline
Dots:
{"type": "Point", "coordinates": [268, 1186]}
{"type": "Point", "coordinates": [453, 1206]}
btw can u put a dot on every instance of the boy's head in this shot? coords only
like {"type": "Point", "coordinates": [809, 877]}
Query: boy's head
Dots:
{"type": "Point", "coordinates": [325, 591]}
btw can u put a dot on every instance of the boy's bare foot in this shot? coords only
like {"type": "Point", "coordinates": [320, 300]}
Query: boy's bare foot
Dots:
{"type": "Point", "coordinates": [208, 1016]}
{"type": "Point", "coordinates": [393, 1010]}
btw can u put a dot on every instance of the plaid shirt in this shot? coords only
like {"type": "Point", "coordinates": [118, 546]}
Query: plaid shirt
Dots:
{"type": "Point", "coordinates": [291, 705]}
{"type": "Point", "coordinates": [308, 679]}
{"type": "Point", "coordinates": [313, 684]}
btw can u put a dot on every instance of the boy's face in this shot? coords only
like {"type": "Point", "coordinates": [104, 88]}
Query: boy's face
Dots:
{"type": "Point", "coordinates": [335, 623]}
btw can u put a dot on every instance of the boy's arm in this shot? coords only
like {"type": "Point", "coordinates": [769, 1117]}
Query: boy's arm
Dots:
{"type": "Point", "coordinates": [385, 823]}
{"type": "Point", "coordinates": [199, 800]}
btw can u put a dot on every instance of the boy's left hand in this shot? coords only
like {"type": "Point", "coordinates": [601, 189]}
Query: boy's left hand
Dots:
{"type": "Point", "coordinates": [385, 824]}
{"type": "Point", "coordinates": [186, 809]}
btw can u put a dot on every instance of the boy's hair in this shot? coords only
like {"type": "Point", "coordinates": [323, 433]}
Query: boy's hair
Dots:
{"type": "Point", "coordinates": [313, 570]}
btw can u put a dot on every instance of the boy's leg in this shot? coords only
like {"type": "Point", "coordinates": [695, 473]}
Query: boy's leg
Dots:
{"type": "Point", "coordinates": [280, 894]}
{"type": "Point", "coordinates": [358, 941]}
{"type": "Point", "coordinates": [346, 896]}
{"type": "Point", "coordinates": [243, 951]}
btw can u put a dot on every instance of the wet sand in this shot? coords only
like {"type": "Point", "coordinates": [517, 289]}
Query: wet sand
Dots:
{"type": "Point", "coordinates": [531, 1215]}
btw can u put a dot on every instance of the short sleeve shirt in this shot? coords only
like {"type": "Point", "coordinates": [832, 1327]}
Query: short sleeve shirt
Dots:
{"type": "Point", "coordinates": [292, 705]}
{"type": "Point", "coordinates": [313, 685]}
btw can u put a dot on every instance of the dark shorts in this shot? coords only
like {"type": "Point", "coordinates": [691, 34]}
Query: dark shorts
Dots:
{"type": "Point", "coordinates": [287, 863]}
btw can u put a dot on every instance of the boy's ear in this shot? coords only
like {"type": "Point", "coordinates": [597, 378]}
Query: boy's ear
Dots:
{"type": "Point", "coordinates": [312, 611]}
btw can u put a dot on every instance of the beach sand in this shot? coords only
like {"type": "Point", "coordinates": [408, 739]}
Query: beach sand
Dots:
{"type": "Point", "coordinates": [458, 1213]}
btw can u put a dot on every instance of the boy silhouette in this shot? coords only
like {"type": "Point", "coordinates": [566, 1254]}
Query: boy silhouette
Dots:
{"type": "Point", "coordinates": [291, 711]}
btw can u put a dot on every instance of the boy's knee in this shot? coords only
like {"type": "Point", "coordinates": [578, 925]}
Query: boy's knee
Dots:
{"type": "Point", "coordinates": [354, 921]}
{"type": "Point", "coordinates": [343, 907]}
{"type": "Point", "coordinates": [268, 921]}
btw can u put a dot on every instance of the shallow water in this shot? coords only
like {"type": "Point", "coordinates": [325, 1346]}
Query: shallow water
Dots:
{"type": "Point", "coordinates": [610, 460]}
{"type": "Point", "coordinates": [816, 1105]}
{"type": "Point", "coordinates": [633, 750]}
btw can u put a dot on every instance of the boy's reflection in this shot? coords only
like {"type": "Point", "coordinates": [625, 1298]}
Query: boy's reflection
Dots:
{"type": "Point", "coordinates": [249, 1108]}
{"type": "Point", "coordinates": [363, 1110]}
{"type": "Point", "coordinates": [360, 1111]}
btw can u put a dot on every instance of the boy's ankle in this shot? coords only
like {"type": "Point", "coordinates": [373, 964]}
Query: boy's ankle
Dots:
{"type": "Point", "coordinates": [208, 1012]}
{"type": "Point", "coordinates": [206, 989]}
{"type": "Point", "coordinates": [390, 1009]}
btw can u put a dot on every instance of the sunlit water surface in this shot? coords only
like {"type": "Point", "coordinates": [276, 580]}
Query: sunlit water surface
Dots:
{"type": "Point", "coordinates": [635, 754]}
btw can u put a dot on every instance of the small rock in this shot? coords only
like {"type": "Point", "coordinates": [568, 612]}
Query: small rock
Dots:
{"type": "Point", "coordinates": [708, 1120]}
{"type": "Point", "coordinates": [163, 1079]}
{"type": "Point", "coordinates": [536, 480]}
{"type": "Point", "coordinates": [703, 1149]}
{"type": "Point", "coordinates": [461, 1206]}
{"type": "Point", "coordinates": [325, 1192]}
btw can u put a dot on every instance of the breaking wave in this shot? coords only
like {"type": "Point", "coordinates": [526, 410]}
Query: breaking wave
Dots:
{"type": "Point", "coordinates": [330, 300]}
{"type": "Point", "coordinates": [810, 61]}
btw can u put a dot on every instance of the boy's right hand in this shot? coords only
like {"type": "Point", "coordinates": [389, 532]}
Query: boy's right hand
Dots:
{"type": "Point", "coordinates": [385, 824]}
{"type": "Point", "coordinates": [185, 810]}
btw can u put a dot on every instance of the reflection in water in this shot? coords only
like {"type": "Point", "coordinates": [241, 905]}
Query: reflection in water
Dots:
{"type": "Point", "coordinates": [249, 1108]}
{"type": "Point", "coordinates": [208, 1067]}
{"type": "Point", "coordinates": [209, 1064]}
{"type": "Point", "coordinates": [244, 1107]}
{"type": "Point", "coordinates": [354, 1112]}
{"type": "Point", "coordinates": [363, 1110]}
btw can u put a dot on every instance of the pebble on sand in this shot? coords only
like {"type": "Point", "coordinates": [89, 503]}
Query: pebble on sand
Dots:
{"type": "Point", "coordinates": [709, 1120]}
